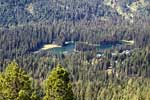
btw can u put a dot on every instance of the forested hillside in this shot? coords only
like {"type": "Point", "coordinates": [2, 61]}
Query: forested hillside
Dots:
{"type": "Point", "coordinates": [21, 12]}
{"type": "Point", "coordinates": [103, 46]}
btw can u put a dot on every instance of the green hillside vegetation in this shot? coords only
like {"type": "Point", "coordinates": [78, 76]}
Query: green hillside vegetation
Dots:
{"type": "Point", "coordinates": [32, 69]}
{"type": "Point", "coordinates": [16, 84]}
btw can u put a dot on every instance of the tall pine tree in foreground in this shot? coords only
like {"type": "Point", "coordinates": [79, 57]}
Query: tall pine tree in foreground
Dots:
{"type": "Point", "coordinates": [58, 86]}
{"type": "Point", "coordinates": [15, 84]}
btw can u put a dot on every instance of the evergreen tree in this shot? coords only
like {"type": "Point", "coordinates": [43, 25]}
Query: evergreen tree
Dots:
{"type": "Point", "coordinates": [58, 86]}
{"type": "Point", "coordinates": [15, 84]}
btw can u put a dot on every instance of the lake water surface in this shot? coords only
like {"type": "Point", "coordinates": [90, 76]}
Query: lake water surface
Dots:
{"type": "Point", "coordinates": [70, 47]}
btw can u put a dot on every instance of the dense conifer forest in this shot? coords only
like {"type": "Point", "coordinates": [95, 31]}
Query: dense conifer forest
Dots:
{"type": "Point", "coordinates": [109, 57]}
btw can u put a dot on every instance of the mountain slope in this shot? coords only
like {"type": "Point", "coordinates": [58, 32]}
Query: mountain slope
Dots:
{"type": "Point", "coordinates": [14, 12]}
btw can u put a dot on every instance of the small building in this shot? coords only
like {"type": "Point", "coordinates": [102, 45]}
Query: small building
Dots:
{"type": "Point", "coordinates": [99, 55]}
